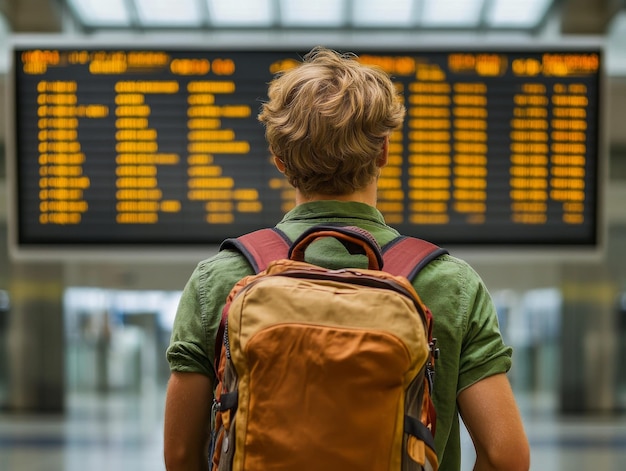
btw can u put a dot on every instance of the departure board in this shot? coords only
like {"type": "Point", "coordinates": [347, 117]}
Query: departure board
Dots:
{"type": "Point", "coordinates": [163, 147]}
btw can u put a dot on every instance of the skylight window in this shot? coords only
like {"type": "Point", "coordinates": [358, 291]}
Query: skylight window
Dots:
{"type": "Point", "coordinates": [370, 13]}
{"type": "Point", "coordinates": [161, 13]}
{"type": "Point", "coordinates": [276, 14]}
{"type": "Point", "coordinates": [451, 13]}
{"type": "Point", "coordinates": [325, 13]}
{"type": "Point", "coordinates": [516, 13]}
{"type": "Point", "coordinates": [101, 14]}
{"type": "Point", "coordinates": [240, 12]}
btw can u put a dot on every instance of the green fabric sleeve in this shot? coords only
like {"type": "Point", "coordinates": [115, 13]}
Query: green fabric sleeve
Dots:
{"type": "Point", "coordinates": [189, 343]}
{"type": "Point", "coordinates": [483, 350]}
{"type": "Point", "coordinates": [192, 344]}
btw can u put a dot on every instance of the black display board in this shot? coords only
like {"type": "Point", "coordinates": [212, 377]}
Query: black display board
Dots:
{"type": "Point", "coordinates": [162, 146]}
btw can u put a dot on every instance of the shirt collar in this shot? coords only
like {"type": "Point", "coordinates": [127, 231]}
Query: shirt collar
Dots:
{"type": "Point", "coordinates": [331, 209]}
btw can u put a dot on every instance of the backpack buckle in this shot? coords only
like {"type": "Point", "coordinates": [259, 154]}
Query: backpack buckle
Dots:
{"type": "Point", "coordinates": [434, 351]}
{"type": "Point", "coordinates": [430, 365]}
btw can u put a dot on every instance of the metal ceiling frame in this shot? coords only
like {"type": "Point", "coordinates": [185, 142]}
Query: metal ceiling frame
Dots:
{"type": "Point", "coordinates": [350, 7]}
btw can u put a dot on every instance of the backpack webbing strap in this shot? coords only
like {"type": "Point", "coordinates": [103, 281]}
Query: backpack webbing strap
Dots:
{"type": "Point", "coordinates": [260, 247]}
{"type": "Point", "coordinates": [229, 401]}
{"type": "Point", "coordinates": [415, 427]}
{"type": "Point", "coordinates": [406, 256]}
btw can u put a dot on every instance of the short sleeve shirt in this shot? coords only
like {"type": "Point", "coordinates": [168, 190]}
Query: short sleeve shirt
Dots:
{"type": "Point", "coordinates": [465, 319]}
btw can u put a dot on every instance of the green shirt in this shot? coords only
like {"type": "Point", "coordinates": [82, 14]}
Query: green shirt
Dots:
{"type": "Point", "coordinates": [465, 321]}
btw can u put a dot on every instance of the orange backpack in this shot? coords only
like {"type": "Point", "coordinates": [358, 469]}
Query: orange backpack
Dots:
{"type": "Point", "coordinates": [323, 369]}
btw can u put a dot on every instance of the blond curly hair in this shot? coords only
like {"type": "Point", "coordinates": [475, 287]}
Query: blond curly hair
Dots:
{"type": "Point", "coordinates": [326, 120]}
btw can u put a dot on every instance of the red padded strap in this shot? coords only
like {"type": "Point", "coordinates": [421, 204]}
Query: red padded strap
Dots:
{"type": "Point", "coordinates": [260, 247]}
{"type": "Point", "coordinates": [406, 256]}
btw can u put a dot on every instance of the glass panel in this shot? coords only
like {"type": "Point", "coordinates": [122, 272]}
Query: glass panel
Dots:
{"type": "Point", "coordinates": [319, 13]}
{"type": "Point", "coordinates": [388, 13]}
{"type": "Point", "coordinates": [514, 13]}
{"type": "Point", "coordinates": [240, 12]}
{"type": "Point", "coordinates": [616, 50]}
{"type": "Point", "coordinates": [451, 13]}
{"type": "Point", "coordinates": [5, 34]}
{"type": "Point", "coordinates": [168, 13]}
{"type": "Point", "coordinates": [99, 13]}
{"type": "Point", "coordinates": [116, 339]}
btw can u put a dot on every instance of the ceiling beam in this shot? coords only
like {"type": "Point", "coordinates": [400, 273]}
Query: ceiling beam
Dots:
{"type": "Point", "coordinates": [33, 16]}
{"type": "Point", "coordinates": [582, 17]}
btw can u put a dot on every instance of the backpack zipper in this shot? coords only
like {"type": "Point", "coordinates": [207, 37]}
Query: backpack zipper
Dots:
{"type": "Point", "coordinates": [226, 341]}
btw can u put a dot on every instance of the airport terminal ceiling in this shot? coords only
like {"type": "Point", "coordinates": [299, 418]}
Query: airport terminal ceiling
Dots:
{"type": "Point", "coordinates": [573, 17]}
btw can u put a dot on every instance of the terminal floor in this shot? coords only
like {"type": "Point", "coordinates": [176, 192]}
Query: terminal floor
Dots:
{"type": "Point", "coordinates": [124, 432]}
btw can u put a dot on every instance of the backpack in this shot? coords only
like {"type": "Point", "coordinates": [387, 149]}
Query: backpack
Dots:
{"type": "Point", "coordinates": [324, 369]}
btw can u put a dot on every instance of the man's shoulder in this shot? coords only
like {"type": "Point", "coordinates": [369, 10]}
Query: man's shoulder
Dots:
{"type": "Point", "coordinates": [448, 274]}
{"type": "Point", "coordinates": [450, 263]}
{"type": "Point", "coordinates": [227, 259]}
{"type": "Point", "coordinates": [224, 268]}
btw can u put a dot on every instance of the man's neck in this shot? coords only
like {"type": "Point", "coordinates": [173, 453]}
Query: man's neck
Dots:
{"type": "Point", "coordinates": [366, 195]}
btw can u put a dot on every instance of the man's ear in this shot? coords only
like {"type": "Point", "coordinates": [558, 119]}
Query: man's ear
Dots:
{"type": "Point", "coordinates": [280, 165]}
{"type": "Point", "coordinates": [381, 161]}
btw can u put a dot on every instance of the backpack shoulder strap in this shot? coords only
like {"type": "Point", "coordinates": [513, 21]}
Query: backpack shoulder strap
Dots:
{"type": "Point", "coordinates": [406, 256]}
{"type": "Point", "coordinates": [260, 247]}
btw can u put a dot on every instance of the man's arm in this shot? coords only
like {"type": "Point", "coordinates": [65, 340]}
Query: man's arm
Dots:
{"type": "Point", "coordinates": [187, 421]}
{"type": "Point", "coordinates": [493, 421]}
